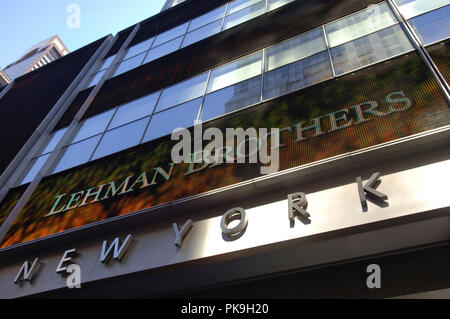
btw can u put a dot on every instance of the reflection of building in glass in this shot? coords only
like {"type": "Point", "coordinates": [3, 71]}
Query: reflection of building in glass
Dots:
{"type": "Point", "coordinates": [362, 107]}
{"type": "Point", "coordinates": [36, 57]}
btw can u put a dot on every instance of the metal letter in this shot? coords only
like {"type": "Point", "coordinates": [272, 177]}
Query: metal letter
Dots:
{"type": "Point", "coordinates": [180, 234]}
{"type": "Point", "coordinates": [61, 268]}
{"type": "Point", "coordinates": [370, 189]}
{"type": "Point", "coordinates": [234, 214]}
{"type": "Point", "coordinates": [27, 272]}
{"type": "Point", "coordinates": [298, 204]}
{"type": "Point", "coordinates": [118, 252]}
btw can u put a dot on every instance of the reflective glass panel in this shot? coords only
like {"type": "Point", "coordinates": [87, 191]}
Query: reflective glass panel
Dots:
{"type": "Point", "coordinates": [412, 8]}
{"type": "Point", "coordinates": [297, 75]}
{"type": "Point", "coordinates": [370, 49]}
{"type": "Point", "coordinates": [245, 14]}
{"type": "Point", "coordinates": [207, 18]}
{"type": "Point", "coordinates": [237, 5]}
{"type": "Point", "coordinates": [376, 17]}
{"type": "Point", "coordinates": [295, 49]}
{"type": "Point", "coordinates": [433, 26]}
{"type": "Point", "coordinates": [163, 50]}
{"type": "Point", "coordinates": [108, 62]}
{"type": "Point", "coordinates": [36, 165]}
{"type": "Point", "coordinates": [139, 48]}
{"type": "Point", "coordinates": [182, 116]}
{"type": "Point", "coordinates": [96, 78]}
{"type": "Point", "coordinates": [232, 98]}
{"type": "Point", "coordinates": [202, 33]}
{"type": "Point", "coordinates": [94, 125]}
{"type": "Point", "coordinates": [273, 4]}
{"type": "Point", "coordinates": [56, 137]}
{"type": "Point", "coordinates": [121, 138]}
{"type": "Point", "coordinates": [77, 154]}
{"type": "Point", "coordinates": [130, 64]}
{"type": "Point", "coordinates": [134, 110]}
{"type": "Point", "coordinates": [235, 72]}
{"type": "Point", "coordinates": [182, 92]}
{"type": "Point", "coordinates": [171, 34]}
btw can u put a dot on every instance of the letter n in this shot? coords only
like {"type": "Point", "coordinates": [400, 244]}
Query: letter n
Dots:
{"type": "Point", "coordinates": [26, 272]}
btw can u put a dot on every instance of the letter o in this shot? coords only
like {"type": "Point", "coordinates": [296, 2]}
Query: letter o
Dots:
{"type": "Point", "coordinates": [231, 215]}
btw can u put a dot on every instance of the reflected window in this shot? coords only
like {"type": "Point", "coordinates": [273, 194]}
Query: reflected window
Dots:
{"type": "Point", "coordinates": [121, 138]}
{"type": "Point", "coordinates": [207, 18]}
{"type": "Point", "coordinates": [245, 14]}
{"type": "Point", "coordinates": [232, 98]}
{"type": "Point", "coordinates": [171, 34]}
{"type": "Point", "coordinates": [96, 78]}
{"type": "Point", "coordinates": [359, 24]}
{"type": "Point", "coordinates": [182, 92]}
{"type": "Point", "coordinates": [139, 48]}
{"type": "Point", "coordinates": [130, 64]}
{"type": "Point", "coordinates": [237, 5]}
{"type": "Point", "coordinates": [274, 4]}
{"type": "Point", "coordinates": [433, 26]}
{"type": "Point", "coordinates": [54, 140]}
{"type": "Point", "coordinates": [235, 72]}
{"type": "Point", "coordinates": [163, 123]}
{"type": "Point", "coordinates": [164, 49]}
{"type": "Point", "coordinates": [202, 33]}
{"type": "Point", "coordinates": [93, 125]}
{"type": "Point", "coordinates": [412, 8]}
{"type": "Point", "coordinates": [370, 49]}
{"type": "Point", "coordinates": [34, 167]}
{"type": "Point", "coordinates": [297, 75]}
{"type": "Point", "coordinates": [77, 154]}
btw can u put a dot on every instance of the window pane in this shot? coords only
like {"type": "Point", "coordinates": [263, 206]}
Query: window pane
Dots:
{"type": "Point", "coordinates": [36, 165]}
{"type": "Point", "coordinates": [163, 50]}
{"type": "Point", "coordinates": [202, 33]}
{"type": "Point", "coordinates": [94, 125]}
{"type": "Point", "coordinates": [235, 72]}
{"type": "Point", "coordinates": [433, 26]}
{"type": "Point", "coordinates": [207, 18]}
{"type": "Point", "coordinates": [56, 137]}
{"type": "Point", "coordinates": [182, 116]}
{"type": "Point", "coordinates": [182, 92]}
{"type": "Point", "coordinates": [359, 24]}
{"type": "Point", "coordinates": [412, 8]}
{"type": "Point", "coordinates": [77, 154]}
{"type": "Point", "coordinates": [245, 15]}
{"type": "Point", "coordinates": [129, 64]}
{"type": "Point", "coordinates": [296, 75]}
{"type": "Point", "coordinates": [171, 34]}
{"type": "Point", "coordinates": [108, 62]}
{"type": "Point", "coordinates": [96, 78]}
{"type": "Point", "coordinates": [369, 49]}
{"type": "Point", "coordinates": [121, 138]}
{"type": "Point", "coordinates": [232, 98]}
{"type": "Point", "coordinates": [237, 5]}
{"type": "Point", "coordinates": [273, 4]}
{"type": "Point", "coordinates": [139, 48]}
{"type": "Point", "coordinates": [295, 49]}
{"type": "Point", "coordinates": [134, 110]}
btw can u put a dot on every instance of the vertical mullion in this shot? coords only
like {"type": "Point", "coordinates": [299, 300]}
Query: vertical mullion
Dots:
{"type": "Point", "coordinates": [263, 67]}
{"type": "Point", "coordinates": [200, 110]}
{"type": "Point", "coordinates": [224, 17]}
{"type": "Point", "coordinates": [151, 116]}
{"type": "Point", "coordinates": [329, 50]}
{"type": "Point", "coordinates": [103, 133]}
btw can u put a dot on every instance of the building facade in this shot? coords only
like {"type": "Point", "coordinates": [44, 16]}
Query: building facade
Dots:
{"type": "Point", "coordinates": [37, 56]}
{"type": "Point", "coordinates": [359, 93]}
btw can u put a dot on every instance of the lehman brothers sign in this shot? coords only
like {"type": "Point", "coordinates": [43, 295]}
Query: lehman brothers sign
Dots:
{"type": "Point", "coordinates": [370, 107]}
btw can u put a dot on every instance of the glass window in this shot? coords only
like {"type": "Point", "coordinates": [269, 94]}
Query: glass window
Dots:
{"type": "Point", "coordinates": [94, 125]}
{"type": "Point", "coordinates": [171, 34]}
{"type": "Point", "coordinates": [235, 72]}
{"type": "Point", "coordinates": [182, 92]}
{"type": "Point", "coordinates": [412, 8]}
{"type": "Point", "coordinates": [237, 5]}
{"type": "Point", "coordinates": [202, 33]}
{"type": "Point", "coordinates": [182, 116]}
{"type": "Point", "coordinates": [139, 48]}
{"type": "Point", "coordinates": [163, 49]}
{"type": "Point", "coordinates": [130, 64]}
{"type": "Point", "coordinates": [274, 4]}
{"type": "Point", "coordinates": [77, 154]}
{"type": "Point", "coordinates": [359, 24]}
{"type": "Point", "coordinates": [370, 49]}
{"type": "Point", "coordinates": [232, 98]}
{"type": "Point", "coordinates": [433, 26]}
{"type": "Point", "coordinates": [245, 14]}
{"type": "Point", "coordinates": [121, 138]}
{"type": "Point", "coordinates": [297, 75]}
{"type": "Point", "coordinates": [56, 137]}
{"type": "Point", "coordinates": [295, 49]}
{"type": "Point", "coordinates": [207, 18]}
{"type": "Point", "coordinates": [134, 110]}
{"type": "Point", "coordinates": [36, 165]}
{"type": "Point", "coordinates": [108, 62]}
{"type": "Point", "coordinates": [96, 78]}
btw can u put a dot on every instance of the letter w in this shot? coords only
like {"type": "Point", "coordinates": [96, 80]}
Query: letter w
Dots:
{"type": "Point", "coordinates": [119, 252]}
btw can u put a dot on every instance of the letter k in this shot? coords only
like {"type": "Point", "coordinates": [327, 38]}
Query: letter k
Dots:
{"type": "Point", "coordinates": [370, 190]}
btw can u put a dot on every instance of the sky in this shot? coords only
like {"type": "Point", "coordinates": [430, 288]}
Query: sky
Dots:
{"type": "Point", "coordinates": [24, 23]}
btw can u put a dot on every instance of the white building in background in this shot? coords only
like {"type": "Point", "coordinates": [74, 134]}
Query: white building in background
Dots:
{"type": "Point", "coordinates": [36, 57]}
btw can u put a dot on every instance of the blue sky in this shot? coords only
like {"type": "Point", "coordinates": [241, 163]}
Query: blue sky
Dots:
{"type": "Point", "coordinates": [25, 23]}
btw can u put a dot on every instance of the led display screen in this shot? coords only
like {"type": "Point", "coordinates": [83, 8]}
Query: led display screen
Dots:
{"type": "Point", "coordinates": [379, 104]}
